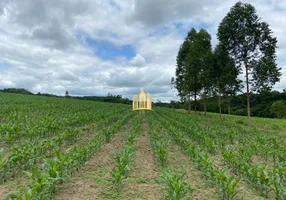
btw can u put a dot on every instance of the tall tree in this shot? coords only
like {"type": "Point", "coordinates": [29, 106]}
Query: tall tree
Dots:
{"type": "Point", "coordinates": [252, 46]}
{"type": "Point", "coordinates": [193, 61]}
{"type": "Point", "coordinates": [67, 94]}
{"type": "Point", "coordinates": [198, 65]}
{"type": "Point", "coordinates": [225, 74]}
{"type": "Point", "coordinates": [181, 80]}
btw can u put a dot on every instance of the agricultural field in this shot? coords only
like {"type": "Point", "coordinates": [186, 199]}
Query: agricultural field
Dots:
{"type": "Point", "coordinates": [60, 148]}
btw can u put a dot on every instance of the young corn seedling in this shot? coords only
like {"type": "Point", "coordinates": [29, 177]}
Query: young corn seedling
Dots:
{"type": "Point", "coordinates": [277, 184]}
{"type": "Point", "coordinates": [107, 133]}
{"type": "Point", "coordinates": [131, 138]}
{"type": "Point", "coordinates": [2, 166]}
{"type": "Point", "coordinates": [160, 150]}
{"type": "Point", "coordinates": [227, 185]}
{"type": "Point", "coordinates": [176, 184]}
{"type": "Point", "coordinates": [264, 180]}
{"type": "Point", "coordinates": [119, 172]}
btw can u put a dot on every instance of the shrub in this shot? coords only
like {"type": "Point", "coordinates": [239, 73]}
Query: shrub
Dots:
{"type": "Point", "coordinates": [279, 109]}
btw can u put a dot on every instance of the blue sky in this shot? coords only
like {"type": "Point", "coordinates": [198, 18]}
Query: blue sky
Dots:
{"type": "Point", "coordinates": [118, 46]}
{"type": "Point", "coordinates": [108, 51]}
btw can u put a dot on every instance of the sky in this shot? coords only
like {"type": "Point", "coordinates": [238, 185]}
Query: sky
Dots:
{"type": "Point", "coordinates": [90, 47]}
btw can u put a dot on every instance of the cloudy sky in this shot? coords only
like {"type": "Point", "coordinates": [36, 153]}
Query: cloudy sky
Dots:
{"type": "Point", "coordinates": [96, 47]}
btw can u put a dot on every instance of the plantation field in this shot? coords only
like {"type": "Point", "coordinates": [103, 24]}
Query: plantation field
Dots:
{"type": "Point", "coordinates": [53, 148]}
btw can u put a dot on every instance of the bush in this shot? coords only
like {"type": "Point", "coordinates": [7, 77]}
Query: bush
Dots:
{"type": "Point", "coordinates": [279, 109]}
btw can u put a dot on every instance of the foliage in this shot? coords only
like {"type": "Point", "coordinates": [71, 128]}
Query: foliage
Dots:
{"type": "Point", "coordinates": [261, 104]}
{"type": "Point", "coordinates": [123, 158]}
{"type": "Point", "coordinates": [16, 90]}
{"type": "Point", "coordinates": [238, 146]}
{"type": "Point", "coordinates": [67, 95]}
{"type": "Point", "coordinates": [160, 150]}
{"type": "Point", "coordinates": [225, 73]}
{"type": "Point", "coordinates": [109, 98]}
{"type": "Point", "coordinates": [193, 63]}
{"type": "Point", "coordinates": [46, 147]}
{"type": "Point", "coordinates": [252, 46]}
{"type": "Point", "coordinates": [176, 184]}
{"type": "Point", "coordinates": [279, 109]}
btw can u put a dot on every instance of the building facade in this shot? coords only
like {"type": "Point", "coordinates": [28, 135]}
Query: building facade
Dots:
{"type": "Point", "coordinates": [142, 101]}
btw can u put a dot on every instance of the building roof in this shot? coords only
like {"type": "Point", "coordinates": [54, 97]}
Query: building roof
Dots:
{"type": "Point", "coordinates": [142, 92]}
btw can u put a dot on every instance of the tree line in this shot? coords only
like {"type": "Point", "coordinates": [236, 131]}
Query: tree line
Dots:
{"type": "Point", "coordinates": [243, 59]}
{"type": "Point", "coordinates": [109, 98]}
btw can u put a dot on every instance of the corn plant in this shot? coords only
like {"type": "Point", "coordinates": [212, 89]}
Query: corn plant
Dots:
{"type": "Point", "coordinates": [121, 167]}
{"type": "Point", "coordinates": [227, 185]}
{"type": "Point", "coordinates": [278, 187]}
{"type": "Point", "coordinates": [176, 184]}
{"type": "Point", "coordinates": [2, 166]}
{"type": "Point", "coordinates": [42, 183]}
{"type": "Point", "coordinates": [131, 138]}
{"type": "Point", "coordinates": [107, 133]}
{"type": "Point", "coordinates": [123, 158]}
{"type": "Point", "coordinates": [160, 150]}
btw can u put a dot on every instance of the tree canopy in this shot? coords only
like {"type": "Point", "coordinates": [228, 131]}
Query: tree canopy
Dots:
{"type": "Point", "coordinates": [193, 63]}
{"type": "Point", "coordinates": [251, 44]}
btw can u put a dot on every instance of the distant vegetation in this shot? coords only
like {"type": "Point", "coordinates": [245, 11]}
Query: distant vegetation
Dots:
{"type": "Point", "coordinates": [260, 104]}
{"type": "Point", "coordinates": [109, 98]}
{"type": "Point", "coordinates": [263, 104]}
{"type": "Point", "coordinates": [16, 90]}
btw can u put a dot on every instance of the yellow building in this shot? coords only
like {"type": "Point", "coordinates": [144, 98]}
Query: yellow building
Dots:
{"type": "Point", "coordinates": [142, 101]}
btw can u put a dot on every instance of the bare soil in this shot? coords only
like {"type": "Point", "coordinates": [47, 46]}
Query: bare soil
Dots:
{"type": "Point", "coordinates": [141, 182]}
{"type": "Point", "coordinates": [12, 186]}
{"type": "Point", "coordinates": [91, 180]}
{"type": "Point", "coordinates": [179, 161]}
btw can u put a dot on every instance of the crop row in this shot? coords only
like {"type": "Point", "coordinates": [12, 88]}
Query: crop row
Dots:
{"type": "Point", "coordinates": [174, 182]}
{"type": "Point", "coordinates": [43, 182]}
{"type": "Point", "coordinates": [265, 177]}
{"type": "Point", "coordinates": [215, 137]}
{"type": "Point", "coordinates": [43, 119]}
{"type": "Point", "coordinates": [226, 183]}
{"type": "Point", "coordinates": [27, 156]}
{"type": "Point", "coordinates": [123, 158]}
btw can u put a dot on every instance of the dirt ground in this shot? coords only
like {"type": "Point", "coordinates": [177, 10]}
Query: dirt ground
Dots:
{"type": "Point", "coordinates": [91, 180]}
{"type": "Point", "coordinates": [179, 161]}
{"type": "Point", "coordinates": [144, 171]}
{"type": "Point", "coordinates": [13, 184]}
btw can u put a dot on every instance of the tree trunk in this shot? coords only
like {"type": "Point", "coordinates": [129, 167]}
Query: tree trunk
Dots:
{"type": "Point", "coordinates": [247, 94]}
{"type": "Point", "coordinates": [195, 103]}
{"type": "Point", "coordinates": [205, 109]}
{"type": "Point", "coordinates": [219, 105]}
{"type": "Point", "coordinates": [228, 107]}
{"type": "Point", "coordinates": [189, 109]}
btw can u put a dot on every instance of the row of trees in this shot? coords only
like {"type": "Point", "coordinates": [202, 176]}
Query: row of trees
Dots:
{"type": "Point", "coordinates": [246, 47]}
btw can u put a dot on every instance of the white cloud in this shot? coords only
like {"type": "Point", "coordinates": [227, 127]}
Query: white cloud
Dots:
{"type": "Point", "coordinates": [43, 45]}
{"type": "Point", "coordinates": [138, 61]}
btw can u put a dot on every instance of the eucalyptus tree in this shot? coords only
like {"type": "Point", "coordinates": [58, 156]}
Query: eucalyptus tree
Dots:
{"type": "Point", "coordinates": [251, 44]}
{"type": "Point", "coordinates": [193, 62]}
{"type": "Point", "coordinates": [181, 80]}
{"type": "Point", "coordinates": [225, 75]}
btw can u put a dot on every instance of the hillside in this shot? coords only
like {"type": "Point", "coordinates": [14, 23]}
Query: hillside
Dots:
{"type": "Point", "coordinates": [79, 149]}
